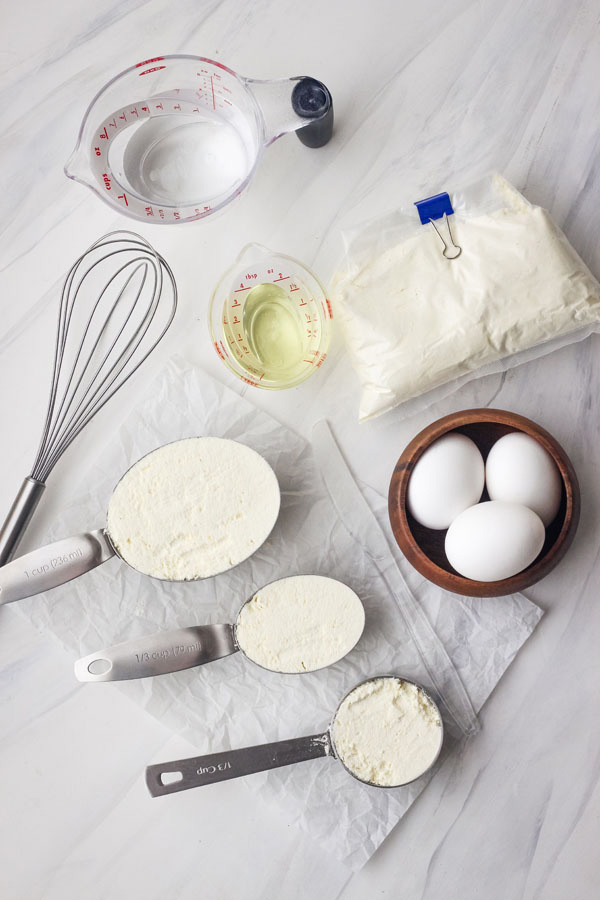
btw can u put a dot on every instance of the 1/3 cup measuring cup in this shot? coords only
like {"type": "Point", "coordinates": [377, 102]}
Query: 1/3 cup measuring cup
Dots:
{"type": "Point", "coordinates": [176, 138]}
{"type": "Point", "coordinates": [270, 319]}
{"type": "Point", "coordinates": [182, 774]}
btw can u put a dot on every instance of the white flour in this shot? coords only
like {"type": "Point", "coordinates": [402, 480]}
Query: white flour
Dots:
{"type": "Point", "coordinates": [387, 731]}
{"type": "Point", "coordinates": [193, 508]}
{"type": "Point", "coordinates": [300, 624]}
{"type": "Point", "coordinates": [414, 320]}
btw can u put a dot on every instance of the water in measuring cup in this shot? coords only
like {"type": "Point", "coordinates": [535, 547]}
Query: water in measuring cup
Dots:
{"type": "Point", "coordinates": [274, 333]}
{"type": "Point", "coordinates": [184, 158]}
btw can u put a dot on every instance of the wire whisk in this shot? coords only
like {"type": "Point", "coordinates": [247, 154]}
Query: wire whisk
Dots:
{"type": "Point", "coordinates": [117, 303]}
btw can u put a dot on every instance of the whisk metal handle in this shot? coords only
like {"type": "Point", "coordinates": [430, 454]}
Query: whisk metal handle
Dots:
{"type": "Point", "coordinates": [19, 517]}
{"type": "Point", "coordinates": [52, 565]}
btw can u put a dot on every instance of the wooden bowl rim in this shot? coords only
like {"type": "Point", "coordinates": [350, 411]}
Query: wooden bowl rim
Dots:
{"type": "Point", "coordinates": [405, 539]}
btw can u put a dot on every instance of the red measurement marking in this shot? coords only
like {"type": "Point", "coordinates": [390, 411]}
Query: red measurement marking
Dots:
{"type": "Point", "coordinates": [236, 302]}
{"type": "Point", "coordinates": [239, 290]}
{"type": "Point", "coordinates": [176, 215]}
{"type": "Point", "coordinates": [212, 87]}
{"type": "Point", "coordinates": [329, 310]}
{"type": "Point", "coordinates": [124, 198]}
{"type": "Point", "coordinates": [304, 303]}
{"type": "Point", "coordinates": [154, 69]}
{"type": "Point", "coordinates": [236, 321]}
{"type": "Point", "coordinates": [321, 361]}
{"type": "Point", "coordinates": [158, 105]}
{"type": "Point", "coordinates": [262, 376]}
{"type": "Point", "coordinates": [97, 151]}
{"type": "Point", "coordinates": [133, 112]}
{"type": "Point", "coordinates": [149, 211]}
{"type": "Point", "coordinates": [177, 106]}
{"type": "Point", "coordinates": [293, 288]}
{"type": "Point", "coordinates": [281, 278]}
{"type": "Point", "coordinates": [145, 109]}
{"type": "Point", "coordinates": [123, 116]}
{"type": "Point", "coordinates": [147, 62]}
{"type": "Point", "coordinates": [225, 100]}
{"type": "Point", "coordinates": [104, 134]}
{"type": "Point", "coordinates": [113, 124]}
{"type": "Point", "coordinates": [311, 361]}
{"type": "Point", "coordinates": [248, 380]}
{"type": "Point", "coordinates": [196, 110]}
{"type": "Point", "coordinates": [224, 348]}
{"type": "Point", "coordinates": [161, 213]}
{"type": "Point", "coordinates": [218, 349]}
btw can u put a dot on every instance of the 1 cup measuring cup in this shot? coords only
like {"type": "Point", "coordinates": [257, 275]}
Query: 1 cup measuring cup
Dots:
{"type": "Point", "coordinates": [176, 138]}
{"type": "Point", "coordinates": [277, 628]}
{"type": "Point", "coordinates": [163, 516]}
{"type": "Point", "coordinates": [270, 319]}
{"type": "Point", "coordinates": [182, 774]}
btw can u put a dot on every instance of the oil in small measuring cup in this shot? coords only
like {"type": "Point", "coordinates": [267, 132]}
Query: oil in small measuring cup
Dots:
{"type": "Point", "coordinates": [270, 319]}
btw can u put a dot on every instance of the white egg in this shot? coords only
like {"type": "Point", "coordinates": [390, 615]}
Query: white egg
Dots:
{"type": "Point", "coordinates": [519, 470]}
{"type": "Point", "coordinates": [446, 479]}
{"type": "Point", "coordinates": [494, 540]}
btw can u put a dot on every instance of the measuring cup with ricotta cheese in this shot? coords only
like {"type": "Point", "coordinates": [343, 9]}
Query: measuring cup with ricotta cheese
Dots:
{"type": "Point", "coordinates": [187, 510]}
{"type": "Point", "coordinates": [294, 625]}
{"type": "Point", "coordinates": [386, 732]}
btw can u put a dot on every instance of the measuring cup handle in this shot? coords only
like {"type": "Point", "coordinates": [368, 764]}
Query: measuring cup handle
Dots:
{"type": "Point", "coordinates": [182, 774]}
{"type": "Point", "coordinates": [158, 654]}
{"type": "Point", "coordinates": [52, 565]}
{"type": "Point", "coordinates": [301, 104]}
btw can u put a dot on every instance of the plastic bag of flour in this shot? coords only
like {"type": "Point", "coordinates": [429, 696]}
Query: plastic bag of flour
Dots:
{"type": "Point", "coordinates": [418, 324]}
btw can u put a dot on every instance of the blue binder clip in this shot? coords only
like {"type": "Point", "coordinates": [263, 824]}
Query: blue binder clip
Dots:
{"type": "Point", "coordinates": [439, 207]}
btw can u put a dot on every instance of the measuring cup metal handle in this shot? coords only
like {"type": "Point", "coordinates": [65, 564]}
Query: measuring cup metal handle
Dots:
{"type": "Point", "coordinates": [158, 654]}
{"type": "Point", "coordinates": [300, 104]}
{"type": "Point", "coordinates": [183, 774]}
{"type": "Point", "coordinates": [52, 565]}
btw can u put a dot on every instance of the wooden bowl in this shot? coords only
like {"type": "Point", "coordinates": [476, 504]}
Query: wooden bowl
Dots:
{"type": "Point", "coordinates": [424, 548]}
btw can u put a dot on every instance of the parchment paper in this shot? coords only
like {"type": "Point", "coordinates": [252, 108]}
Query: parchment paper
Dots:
{"type": "Point", "coordinates": [325, 527]}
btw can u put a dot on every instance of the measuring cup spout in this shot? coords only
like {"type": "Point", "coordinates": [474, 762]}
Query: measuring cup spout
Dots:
{"type": "Point", "coordinates": [76, 167]}
{"type": "Point", "coordinates": [300, 104]}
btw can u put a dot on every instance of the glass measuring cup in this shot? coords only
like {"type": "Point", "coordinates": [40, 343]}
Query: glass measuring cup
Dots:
{"type": "Point", "coordinates": [61, 561]}
{"type": "Point", "coordinates": [186, 648]}
{"type": "Point", "coordinates": [270, 319]}
{"type": "Point", "coordinates": [182, 774]}
{"type": "Point", "coordinates": [176, 138]}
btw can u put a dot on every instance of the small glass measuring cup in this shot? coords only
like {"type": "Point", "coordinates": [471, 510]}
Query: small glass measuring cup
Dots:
{"type": "Point", "coordinates": [270, 319]}
{"type": "Point", "coordinates": [176, 138]}
{"type": "Point", "coordinates": [186, 648]}
{"type": "Point", "coordinates": [62, 561]}
{"type": "Point", "coordinates": [182, 774]}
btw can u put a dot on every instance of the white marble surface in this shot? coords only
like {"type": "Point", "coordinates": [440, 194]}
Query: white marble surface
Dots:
{"type": "Point", "coordinates": [426, 94]}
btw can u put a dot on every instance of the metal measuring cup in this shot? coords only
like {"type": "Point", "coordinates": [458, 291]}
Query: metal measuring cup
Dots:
{"type": "Point", "coordinates": [185, 648]}
{"type": "Point", "coordinates": [182, 774]}
{"type": "Point", "coordinates": [62, 561]}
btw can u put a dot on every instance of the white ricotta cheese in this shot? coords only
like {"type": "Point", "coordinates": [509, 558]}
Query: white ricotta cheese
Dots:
{"type": "Point", "coordinates": [300, 624]}
{"type": "Point", "coordinates": [193, 508]}
{"type": "Point", "coordinates": [414, 321]}
{"type": "Point", "coordinates": [387, 731]}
